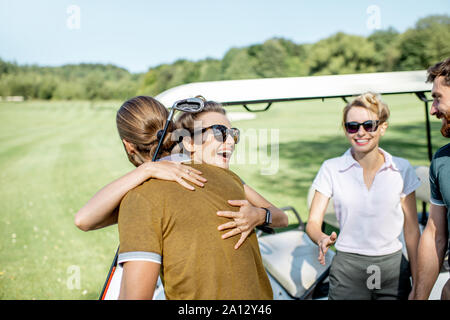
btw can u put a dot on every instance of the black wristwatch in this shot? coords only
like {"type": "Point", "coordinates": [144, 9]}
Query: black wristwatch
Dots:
{"type": "Point", "coordinates": [268, 219]}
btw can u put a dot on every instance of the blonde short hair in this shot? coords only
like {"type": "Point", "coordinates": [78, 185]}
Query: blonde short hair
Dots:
{"type": "Point", "coordinates": [371, 101]}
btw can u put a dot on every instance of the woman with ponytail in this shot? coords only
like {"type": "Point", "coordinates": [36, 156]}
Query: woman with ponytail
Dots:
{"type": "Point", "coordinates": [374, 199]}
{"type": "Point", "coordinates": [138, 122]}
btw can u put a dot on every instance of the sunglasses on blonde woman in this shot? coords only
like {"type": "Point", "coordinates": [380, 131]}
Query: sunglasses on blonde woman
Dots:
{"type": "Point", "coordinates": [369, 126]}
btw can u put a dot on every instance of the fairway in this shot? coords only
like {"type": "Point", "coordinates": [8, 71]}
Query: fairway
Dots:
{"type": "Point", "coordinates": [55, 155]}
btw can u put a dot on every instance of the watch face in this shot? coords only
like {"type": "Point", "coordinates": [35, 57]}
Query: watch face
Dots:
{"type": "Point", "coordinates": [268, 216]}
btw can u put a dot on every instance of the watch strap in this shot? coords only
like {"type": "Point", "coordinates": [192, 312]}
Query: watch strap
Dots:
{"type": "Point", "coordinates": [268, 218]}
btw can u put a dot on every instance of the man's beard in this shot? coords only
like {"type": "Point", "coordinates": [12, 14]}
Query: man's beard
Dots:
{"type": "Point", "coordinates": [445, 129]}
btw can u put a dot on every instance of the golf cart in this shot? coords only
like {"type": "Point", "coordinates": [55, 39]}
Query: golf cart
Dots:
{"type": "Point", "coordinates": [290, 257]}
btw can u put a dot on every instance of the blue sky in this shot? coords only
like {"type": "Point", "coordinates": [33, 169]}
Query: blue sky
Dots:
{"type": "Point", "coordinates": [137, 34]}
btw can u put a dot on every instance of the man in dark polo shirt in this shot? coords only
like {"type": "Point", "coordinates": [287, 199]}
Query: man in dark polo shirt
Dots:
{"type": "Point", "coordinates": [434, 241]}
{"type": "Point", "coordinates": [169, 230]}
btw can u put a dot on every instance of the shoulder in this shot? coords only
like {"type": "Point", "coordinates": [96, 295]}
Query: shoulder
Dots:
{"type": "Point", "coordinates": [217, 173]}
{"type": "Point", "coordinates": [235, 176]}
{"type": "Point", "coordinates": [145, 201]}
{"type": "Point", "coordinates": [334, 163]}
{"type": "Point", "coordinates": [329, 169]}
{"type": "Point", "coordinates": [442, 152]}
{"type": "Point", "coordinates": [398, 163]}
{"type": "Point", "coordinates": [401, 163]}
{"type": "Point", "coordinates": [405, 169]}
{"type": "Point", "coordinates": [150, 190]}
{"type": "Point", "coordinates": [440, 161]}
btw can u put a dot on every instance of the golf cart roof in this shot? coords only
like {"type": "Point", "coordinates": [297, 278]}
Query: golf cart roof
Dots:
{"type": "Point", "coordinates": [242, 92]}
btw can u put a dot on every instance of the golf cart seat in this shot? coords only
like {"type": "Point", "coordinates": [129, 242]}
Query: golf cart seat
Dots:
{"type": "Point", "coordinates": [423, 191]}
{"type": "Point", "coordinates": [330, 215]}
{"type": "Point", "coordinates": [290, 258]}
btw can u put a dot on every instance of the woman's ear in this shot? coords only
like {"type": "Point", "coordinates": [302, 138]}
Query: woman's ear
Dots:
{"type": "Point", "coordinates": [383, 128]}
{"type": "Point", "coordinates": [188, 143]}
{"type": "Point", "coordinates": [129, 147]}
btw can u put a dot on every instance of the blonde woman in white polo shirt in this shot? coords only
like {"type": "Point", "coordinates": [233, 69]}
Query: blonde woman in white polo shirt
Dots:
{"type": "Point", "coordinates": [374, 200]}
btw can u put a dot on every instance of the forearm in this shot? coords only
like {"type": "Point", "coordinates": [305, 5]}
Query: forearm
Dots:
{"type": "Point", "coordinates": [99, 211]}
{"type": "Point", "coordinates": [279, 217]}
{"type": "Point", "coordinates": [257, 216]}
{"type": "Point", "coordinates": [412, 237]}
{"type": "Point", "coordinates": [314, 231]}
{"type": "Point", "coordinates": [319, 204]}
{"type": "Point", "coordinates": [411, 231]}
{"type": "Point", "coordinates": [430, 256]}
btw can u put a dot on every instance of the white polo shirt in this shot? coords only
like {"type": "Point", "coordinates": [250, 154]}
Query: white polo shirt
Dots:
{"type": "Point", "coordinates": [371, 221]}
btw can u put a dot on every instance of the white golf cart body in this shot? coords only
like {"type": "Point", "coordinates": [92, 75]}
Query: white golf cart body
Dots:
{"type": "Point", "coordinates": [290, 257]}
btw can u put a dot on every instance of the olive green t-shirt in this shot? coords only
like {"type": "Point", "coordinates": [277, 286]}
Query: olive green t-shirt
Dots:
{"type": "Point", "coordinates": [161, 221]}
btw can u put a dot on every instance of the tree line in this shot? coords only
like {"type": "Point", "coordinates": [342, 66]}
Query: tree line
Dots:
{"type": "Point", "coordinates": [68, 82]}
{"type": "Point", "coordinates": [384, 50]}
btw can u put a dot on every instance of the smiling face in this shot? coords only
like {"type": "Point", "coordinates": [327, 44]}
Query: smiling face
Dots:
{"type": "Point", "coordinates": [363, 141]}
{"type": "Point", "coordinates": [441, 104]}
{"type": "Point", "coordinates": [211, 151]}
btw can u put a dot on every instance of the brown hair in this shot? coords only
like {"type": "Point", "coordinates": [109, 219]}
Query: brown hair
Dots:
{"type": "Point", "coordinates": [370, 101]}
{"type": "Point", "coordinates": [138, 122]}
{"type": "Point", "coordinates": [440, 69]}
{"type": "Point", "coordinates": [186, 120]}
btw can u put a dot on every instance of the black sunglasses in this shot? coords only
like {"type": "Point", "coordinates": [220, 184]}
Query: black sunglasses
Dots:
{"type": "Point", "coordinates": [221, 132]}
{"type": "Point", "coordinates": [369, 126]}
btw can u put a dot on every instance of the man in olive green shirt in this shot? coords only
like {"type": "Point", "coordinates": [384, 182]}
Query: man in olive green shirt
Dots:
{"type": "Point", "coordinates": [172, 231]}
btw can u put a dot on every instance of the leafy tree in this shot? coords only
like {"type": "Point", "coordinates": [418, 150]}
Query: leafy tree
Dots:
{"type": "Point", "coordinates": [270, 59]}
{"type": "Point", "coordinates": [210, 70]}
{"type": "Point", "coordinates": [238, 64]}
{"type": "Point", "coordinates": [386, 48]}
{"type": "Point", "coordinates": [342, 53]}
{"type": "Point", "coordinates": [425, 44]}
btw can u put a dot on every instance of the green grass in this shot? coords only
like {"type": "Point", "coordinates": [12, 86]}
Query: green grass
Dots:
{"type": "Point", "coordinates": [55, 155]}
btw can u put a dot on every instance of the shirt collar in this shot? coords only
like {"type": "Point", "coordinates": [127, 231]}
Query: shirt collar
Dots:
{"type": "Point", "coordinates": [348, 161]}
{"type": "Point", "coordinates": [178, 157]}
{"type": "Point", "coordinates": [388, 162]}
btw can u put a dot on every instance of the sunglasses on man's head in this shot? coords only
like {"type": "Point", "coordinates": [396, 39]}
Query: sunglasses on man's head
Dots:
{"type": "Point", "coordinates": [369, 126]}
{"type": "Point", "coordinates": [221, 132]}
